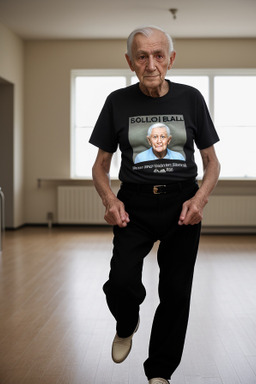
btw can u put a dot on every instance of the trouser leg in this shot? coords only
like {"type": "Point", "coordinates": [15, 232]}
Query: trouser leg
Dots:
{"type": "Point", "coordinates": [176, 257]}
{"type": "Point", "coordinates": [154, 217]}
{"type": "Point", "coordinates": [124, 289]}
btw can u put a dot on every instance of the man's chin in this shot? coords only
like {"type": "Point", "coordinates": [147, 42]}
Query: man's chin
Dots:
{"type": "Point", "coordinates": [152, 82]}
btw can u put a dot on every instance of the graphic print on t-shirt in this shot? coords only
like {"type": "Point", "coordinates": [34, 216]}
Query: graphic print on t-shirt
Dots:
{"type": "Point", "coordinates": [158, 137]}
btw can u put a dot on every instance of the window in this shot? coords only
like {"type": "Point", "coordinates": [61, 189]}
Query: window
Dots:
{"type": "Point", "coordinates": [228, 94]}
{"type": "Point", "coordinates": [88, 96]}
{"type": "Point", "coordinates": [235, 119]}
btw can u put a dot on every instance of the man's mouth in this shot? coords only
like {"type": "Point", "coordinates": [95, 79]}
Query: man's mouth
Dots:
{"type": "Point", "coordinates": [153, 76]}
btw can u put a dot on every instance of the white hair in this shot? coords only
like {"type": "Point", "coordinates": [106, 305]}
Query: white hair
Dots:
{"type": "Point", "coordinates": [159, 125]}
{"type": "Point", "coordinates": [147, 31]}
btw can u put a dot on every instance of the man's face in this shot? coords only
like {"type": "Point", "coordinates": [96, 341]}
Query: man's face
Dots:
{"type": "Point", "coordinates": [159, 141]}
{"type": "Point", "coordinates": [151, 59]}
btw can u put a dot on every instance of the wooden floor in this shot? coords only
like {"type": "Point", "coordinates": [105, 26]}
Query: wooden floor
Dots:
{"type": "Point", "coordinates": [55, 327]}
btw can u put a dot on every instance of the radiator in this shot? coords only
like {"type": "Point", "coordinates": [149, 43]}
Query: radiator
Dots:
{"type": "Point", "coordinates": [79, 205]}
{"type": "Point", "coordinates": [230, 211]}
{"type": "Point", "coordinates": [82, 205]}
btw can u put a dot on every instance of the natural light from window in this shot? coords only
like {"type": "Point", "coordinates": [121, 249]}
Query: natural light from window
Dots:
{"type": "Point", "coordinates": [89, 97]}
{"type": "Point", "coordinates": [235, 120]}
{"type": "Point", "coordinates": [230, 99]}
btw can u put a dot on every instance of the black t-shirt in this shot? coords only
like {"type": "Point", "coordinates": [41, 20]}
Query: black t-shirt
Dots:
{"type": "Point", "coordinates": [126, 118]}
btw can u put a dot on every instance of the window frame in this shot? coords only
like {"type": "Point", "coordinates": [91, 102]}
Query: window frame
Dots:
{"type": "Point", "coordinates": [211, 73]}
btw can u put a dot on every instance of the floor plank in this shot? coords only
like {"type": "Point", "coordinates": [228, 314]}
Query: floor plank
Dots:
{"type": "Point", "coordinates": [56, 328]}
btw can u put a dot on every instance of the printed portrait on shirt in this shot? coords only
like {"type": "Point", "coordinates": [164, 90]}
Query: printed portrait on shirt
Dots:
{"type": "Point", "coordinates": [157, 138]}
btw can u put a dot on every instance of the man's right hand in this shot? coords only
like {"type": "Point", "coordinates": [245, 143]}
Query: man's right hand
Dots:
{"type": "Point", "coordinates": [115, 213]}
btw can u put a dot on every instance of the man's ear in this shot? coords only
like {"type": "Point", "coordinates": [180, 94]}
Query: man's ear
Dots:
{"type": "Point", "coordinates": [172, 58]}
{"type": "Point", "coordinates": [149, 141]}
{"type": "Point", "coordinates": [129, 62]}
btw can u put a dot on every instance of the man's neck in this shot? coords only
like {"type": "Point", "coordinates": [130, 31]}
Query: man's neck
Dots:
{"type": "Point", "coordinates": [155, 92]}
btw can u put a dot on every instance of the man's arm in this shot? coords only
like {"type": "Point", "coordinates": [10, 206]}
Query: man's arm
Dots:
{"type": "Point", "coordinates": [115, 213]}
{"type": "Point", "coordinates": [192, 210]}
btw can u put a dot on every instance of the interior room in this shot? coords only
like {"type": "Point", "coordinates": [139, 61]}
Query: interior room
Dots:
{"type": "Point", "coordinates": [55, 246]}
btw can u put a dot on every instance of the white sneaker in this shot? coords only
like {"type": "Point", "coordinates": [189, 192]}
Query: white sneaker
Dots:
{"type": "Point", "coordinates": [121, 346]}
{"type": "Point", "coordinates": [158, 380]}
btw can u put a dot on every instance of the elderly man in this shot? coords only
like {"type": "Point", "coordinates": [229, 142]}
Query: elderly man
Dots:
{"type": "Point", "coordinates": [157, 200]}
{"type": "Point", "coordinates": [159, 137]}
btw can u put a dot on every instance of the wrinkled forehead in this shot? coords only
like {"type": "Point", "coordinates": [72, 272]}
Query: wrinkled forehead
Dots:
{"type": "Point", "coordinates": [156, 41]}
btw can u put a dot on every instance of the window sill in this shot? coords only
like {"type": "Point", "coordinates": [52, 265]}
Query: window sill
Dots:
{"type": "Point", "coordinates": [68, 181]}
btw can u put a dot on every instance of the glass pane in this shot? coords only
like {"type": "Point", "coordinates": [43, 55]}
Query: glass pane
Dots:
{"type": "Point", "coordinates": [236, 154]}
{"type": "Point", "coordinates": [199, 163]}
{"type": "Point", "coordinates": [90, 95]}
{"type": "Point", "coordinates": [134, 80]}
{"type": "Point", "coordinates": [234, 100]}
{"type": "Point", "coordinates": [85, 155]}
{"type": "Point", "coordinates": [236, 124]}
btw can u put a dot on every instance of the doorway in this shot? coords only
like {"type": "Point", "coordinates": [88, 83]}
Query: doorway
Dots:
{"type": "Point", "coordinates": [7, 148]}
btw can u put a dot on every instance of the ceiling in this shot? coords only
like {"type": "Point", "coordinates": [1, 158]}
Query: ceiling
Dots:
{"type": "Point", "coordinates": [115, 19]}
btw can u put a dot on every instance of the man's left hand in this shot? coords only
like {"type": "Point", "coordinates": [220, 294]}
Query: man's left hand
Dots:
{"type": "Point", "coordinates": [192, 212]}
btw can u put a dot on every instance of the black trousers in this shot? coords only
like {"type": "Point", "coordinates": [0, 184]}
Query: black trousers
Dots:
{"type": "Point", "coordinates": [154, 217]}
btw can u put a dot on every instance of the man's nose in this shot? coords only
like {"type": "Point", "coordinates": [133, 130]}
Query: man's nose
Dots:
{"type": "Point", "coordinates": [151, 63]}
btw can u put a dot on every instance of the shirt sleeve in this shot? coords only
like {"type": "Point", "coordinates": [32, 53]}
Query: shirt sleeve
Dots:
{"type": "Point", "coordinates": [206, 135]}
{"type": "Point", "coordinates": [103, 135]}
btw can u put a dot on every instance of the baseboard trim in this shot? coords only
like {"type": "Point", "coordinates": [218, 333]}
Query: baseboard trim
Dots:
{"type": "Point", "coordinates": [229, 230]}
{"type": "Point", "coordinates": [208, 230]}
